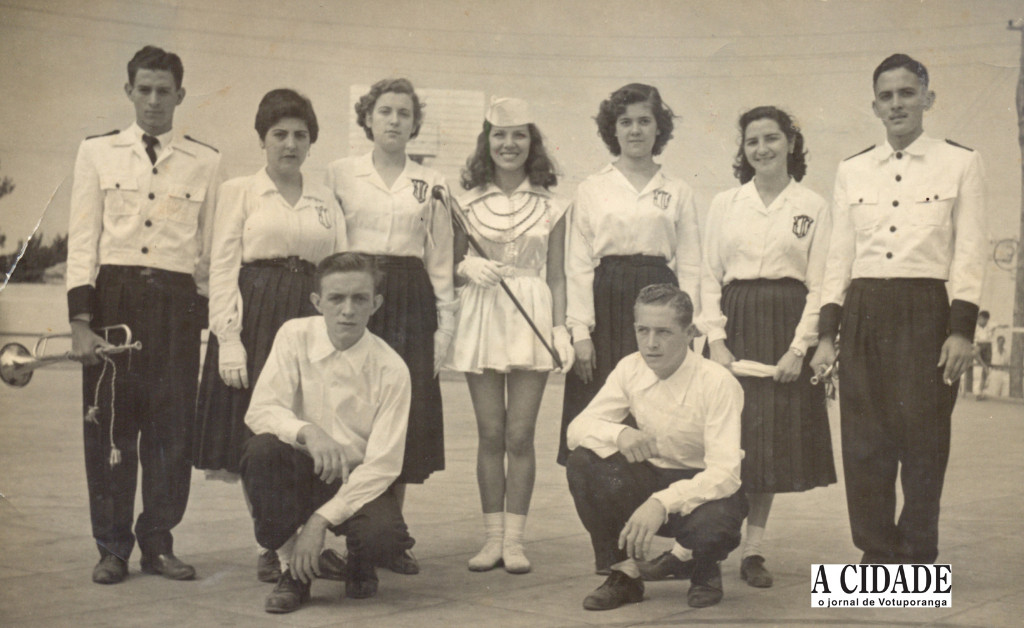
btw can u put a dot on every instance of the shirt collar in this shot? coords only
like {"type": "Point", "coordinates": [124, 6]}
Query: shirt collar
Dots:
{"type": "Point", "coordinates": [679, 382]}
{"type": "Point", "coordinates": [321, 347]}
{"type": "Point", "coordinates": [656, 181]}
{"type": "Point", "coordinates": [525, 187]}
{"type": "Point", "coordinates": [263, 185]}
{"type": "Point", "coordinates": [917, 148]}
{"type": "Point", "coordinates": [364, 168]}
{"type": "Point", "coordinates": [132, 136]}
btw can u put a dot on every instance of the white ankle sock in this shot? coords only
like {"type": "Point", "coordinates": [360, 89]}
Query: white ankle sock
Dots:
{"type": "Point", "coordinates": [681, 552]}
{"type": "Point", "coordinates": [512, 547]}
{"type": "Point", "coordinates": [284, 553]}
{"type": "Point", "coordinates": [494, 533]}
{"type": "Point", "coordinates": [752, 546]}
{"type": "Point", "coordinates": [627, 567]}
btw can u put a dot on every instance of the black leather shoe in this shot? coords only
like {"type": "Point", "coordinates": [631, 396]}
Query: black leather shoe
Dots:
{"type": "Point", "coordinates": [333, 565]}
{"type": "Point", "coordinates": [110, 570]}
{"type": "Point", "coordinates": [268, 567]}
{"type": "Point", "coordinates": [168, 566]}
{"type": "Point", "coordinates": [617, 590]}
{"type": "Point", "coordinates": [705, 585]}
{"type": "Point", "coordinates": [752, 570]}
{"type": "Point", "coordinates": [362, 579]}
{"type": "Point", "coordinates": [665, 567]}
{"type": "Point", "coordinates": [405, 564]}
{"type": "Point", "coordinates": [288, 595]}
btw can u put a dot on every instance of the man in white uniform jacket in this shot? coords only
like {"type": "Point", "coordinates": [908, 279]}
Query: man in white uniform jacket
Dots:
{"type": "Point", "coordinates": [329, 413]}
{"type": "Point", "coordinates": [678, 474]}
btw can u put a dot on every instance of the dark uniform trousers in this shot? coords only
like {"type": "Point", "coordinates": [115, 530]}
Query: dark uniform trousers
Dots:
{"type": "Point", "coordinates": [608, 490]}
{"type": "Point", "coordinates": [895, 412]}
{"type": "Point", "coordinates": [153, 409]}
{"type": "Point", "coordinates": [284, 492]}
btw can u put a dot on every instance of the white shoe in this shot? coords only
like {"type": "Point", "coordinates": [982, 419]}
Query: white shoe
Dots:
{"type": "Point", "coordinates": [488, 557]}
{"type": "Point", "coordinates": [514, 557]}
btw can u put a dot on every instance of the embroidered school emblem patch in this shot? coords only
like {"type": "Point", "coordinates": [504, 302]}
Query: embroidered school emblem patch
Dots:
{"type": "Point", "coordinates": [802, 225]}
{"type": "Point", "coordinates": [323, 216]}
{"type": "Point", "coordinates": [662, 199]}
{"type": "Point", "coordinates": [419, 190]}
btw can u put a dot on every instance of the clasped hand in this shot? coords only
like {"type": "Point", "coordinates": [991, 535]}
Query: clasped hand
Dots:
{"type": "Point", "coordinates": [329, 461]}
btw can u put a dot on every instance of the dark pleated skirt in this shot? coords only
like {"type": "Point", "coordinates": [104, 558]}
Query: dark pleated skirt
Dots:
{"type": "Point", "coordinates": [270, 297]}
{"type": "Point", "coordinates": [786, 438]}
{"type": "Point", "coordinates": [618, 279]}
{"type": "Point", "coordinates": [407, 321]}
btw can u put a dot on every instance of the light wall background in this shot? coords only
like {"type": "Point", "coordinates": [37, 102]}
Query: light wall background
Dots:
{"type": "Point", "coordinates": [62, 69]}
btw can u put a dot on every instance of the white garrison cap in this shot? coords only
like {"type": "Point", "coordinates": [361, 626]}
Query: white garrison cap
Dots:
{"type": "Point", "coordinates": [508, 112]}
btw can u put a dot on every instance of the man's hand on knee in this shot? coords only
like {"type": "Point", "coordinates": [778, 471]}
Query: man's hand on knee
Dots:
{"type": "Point", "coordinates": [639, 531]}
{"type": "Point", "coordinates": [636, 445]}
{"type": "Point", "coordinates": [328, 455]}
{"type": "Point", "coordinates": [306, 555]}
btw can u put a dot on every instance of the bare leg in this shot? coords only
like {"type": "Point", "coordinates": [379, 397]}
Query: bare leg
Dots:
{"type": "Point", "coordinates": [525, 391]}
{"type": "Point", "coordinates": [488, 393]}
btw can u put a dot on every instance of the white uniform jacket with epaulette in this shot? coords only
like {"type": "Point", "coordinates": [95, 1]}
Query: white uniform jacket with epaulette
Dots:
{"type": "Point", "coordinates": [914, 213]}
{"type": "Point", "coordinates": [130, 212]}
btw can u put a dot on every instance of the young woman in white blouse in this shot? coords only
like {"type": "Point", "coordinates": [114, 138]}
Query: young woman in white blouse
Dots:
{"type": "Point", "coordinates": [764, 259]}
{"type": "Point", "coordinates": [386, 199]}
{"type": "Point", "coordinates": [633, 225]}
{"type": "Point", "coordinates": [270, 230]}
{"type": "Point", "coordinates": [520, 225]}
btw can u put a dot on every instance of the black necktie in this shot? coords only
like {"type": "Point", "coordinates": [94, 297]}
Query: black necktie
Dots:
{"type": "Point", "coordinates": [151, 143]}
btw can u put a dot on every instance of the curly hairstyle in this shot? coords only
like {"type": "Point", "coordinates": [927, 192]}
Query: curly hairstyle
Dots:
{"type": "Point", "coordinates": [398, 86]}
{"type": "Point", "coordinates": [796, 162]}
{"type": "Point", "coordinates": [615, 105]}
{"type": "Point", "coordinates": [278, 104]}
{"type": "Point", "coordinates": [479, 170]}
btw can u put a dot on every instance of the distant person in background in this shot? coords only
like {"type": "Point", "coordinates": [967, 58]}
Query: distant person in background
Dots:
{"type": "Point", "coordinates": [983, 334]}
{"type": "Point", "coordinates": [386, 199]}
{"type": "Point", "coordinates": [908, 217]}
{"type": "Point", "coordinates": [270, 231]}
{"type": "Point", "coordinates": [999, 376]}
{"type": "Point", "coordinates": [520, 225]}
{"type": "Point", "coordinates": [764, 258]}
{"type": "Point", "coordinates": [632, 225]}
{"type": "Point", "coordinates": [138, 254]}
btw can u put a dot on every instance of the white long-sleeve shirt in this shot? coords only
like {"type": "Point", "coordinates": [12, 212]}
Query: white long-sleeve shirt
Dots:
{"type": "Point", "coordinates": [746, 240]}
{"type": "Point", "coordinates": [127, 211]}
{"type": "Point", "coordinates": [610, 217]}
{"type": "Point", "coordinates": [359, 396]}
{"type": "Point", "coordinates": [401, 220]}
{"type": "Point", "coordinates": [252, 222]}
{"type": "Point", "coordinates": [914, 213]}
{"type": "Point", "coordinates": [694, 414]}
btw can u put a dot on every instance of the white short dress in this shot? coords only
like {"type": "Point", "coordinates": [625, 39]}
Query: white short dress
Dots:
{"type": "Point", "coordinates": [490, 332]}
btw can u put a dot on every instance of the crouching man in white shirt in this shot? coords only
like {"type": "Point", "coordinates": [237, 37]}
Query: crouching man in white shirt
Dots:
{"type": "Point", "coordinates": [678, 475]}
{"type": "Point", "coordinates": [329, 413]}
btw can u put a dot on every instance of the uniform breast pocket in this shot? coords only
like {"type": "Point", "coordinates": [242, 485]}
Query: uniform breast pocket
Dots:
{"type": "Point", "coordinates": [183, 203]}
{"type": "Point", "coordinates": [864, 210]}
{"type": "Point", "coordinates": [933, 206]}
{"type": "Point", "coordinates": [120, 195]}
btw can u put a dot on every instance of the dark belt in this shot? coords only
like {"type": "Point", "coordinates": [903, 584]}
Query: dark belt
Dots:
{"type": "Point", "coordinates": [634, 260]}
{"type": "Point", "coordinates": [398, 261]}
{"type": "Point", "coordinates": [127, 273]}
{"type": "Point", "coordinates": [292, 263]}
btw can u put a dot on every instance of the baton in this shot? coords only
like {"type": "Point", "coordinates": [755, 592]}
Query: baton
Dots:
{"type": "Point", "coordinates": [441, 194]}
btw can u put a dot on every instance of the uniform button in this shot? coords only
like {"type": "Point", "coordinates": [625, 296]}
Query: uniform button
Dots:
{"type": "Point", "coordinates": [888, 255]}
{"type": "Point", "coordinates": [898, 177]}
{"type": "Point", "coordinates": [145, 250]}
{"type": "Point", "coordinates": [860, 201]}
{"type": "Point", "coordinates": [154, 170]}
{"type": "Point", "coordinates": [152, 196]}
{"type": "Point", "coordinates": [892, 229]}
{"type": "Point", "coordinates": [117, 185]}
{"type": "Point", "coordinates": [149, 223]}
{"type": "Point", "coordinates": [187, 195]}
{"type": "Point", "coordinates": [895, 203]}
{"type": "Point", "coordinates": [899, 155]}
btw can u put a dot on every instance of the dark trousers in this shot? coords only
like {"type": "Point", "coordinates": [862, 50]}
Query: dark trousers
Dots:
{"type": "Point", "coordinates": [895, 412]}
{"type": "Point", "coordinates": [149, 395]}
{"type": "Point", "coordinates": [608, 490]}
{"type": "Point", "coordinates": [284, 492]}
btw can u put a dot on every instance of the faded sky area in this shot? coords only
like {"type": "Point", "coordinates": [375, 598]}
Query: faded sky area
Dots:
{"type": "Point", "coordinates": [62, 68]}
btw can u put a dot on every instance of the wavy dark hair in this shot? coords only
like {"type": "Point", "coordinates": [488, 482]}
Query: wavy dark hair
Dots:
{"type": "Point", "coordinates": [398, 86]}
{"type": "Point", "coordinates": [900, 60]}
{"type": "Point", "coordinates": [615, 105]}
{"type": "Point", "coordinates": [278, 104]}
{"type": "Point", "coordinates": [153, 58]}
{"type": "Point", "coordinates": [796, 161]}
{"type": "Point", "coordinates": [479, 170]}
